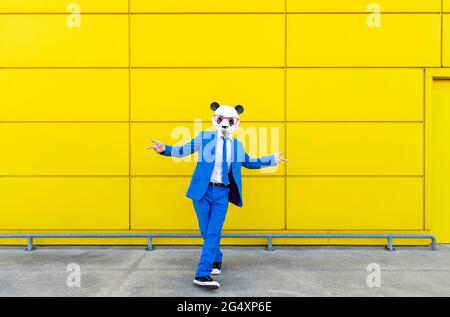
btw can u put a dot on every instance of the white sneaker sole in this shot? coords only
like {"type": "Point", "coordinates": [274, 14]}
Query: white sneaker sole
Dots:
{"type": "Point", "coordinates": [216, 272]}
{"type": "Point", "coordinates": [210, 285]}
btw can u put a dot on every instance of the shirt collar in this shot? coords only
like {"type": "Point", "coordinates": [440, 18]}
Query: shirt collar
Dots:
{"type": "Point", "coordinates": [229, 137]}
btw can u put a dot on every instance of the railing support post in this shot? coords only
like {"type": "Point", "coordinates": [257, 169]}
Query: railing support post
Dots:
{"type": "Point", "coordinates": [269, 237]}
{"type": "Point", "coordinates": [150, 243]}
{"type": "Point", "coordinates": [269, 244]}
{"type": "Point", "coordinates": [390, 246]}
{"type": "Point", "coordinates": [30, 244]}
{"type": "Point", "coordinates": [433, 244]}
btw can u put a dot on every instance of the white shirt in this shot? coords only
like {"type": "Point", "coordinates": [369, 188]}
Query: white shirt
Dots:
{"type": "Point", "coordinates": [216, 176]}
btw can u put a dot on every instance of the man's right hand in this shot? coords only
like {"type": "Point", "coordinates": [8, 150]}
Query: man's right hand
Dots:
{"type": "Point", "coordinates": [157, 146]}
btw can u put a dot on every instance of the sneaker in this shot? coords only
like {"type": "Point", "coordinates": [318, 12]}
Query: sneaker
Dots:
{"type": "Point", "coordinates": [217, 268]}
{"type": "Point", "coordinates": [206, 281]}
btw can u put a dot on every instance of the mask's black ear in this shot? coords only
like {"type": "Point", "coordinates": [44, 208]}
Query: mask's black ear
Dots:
{"type": "Point", "coordinates": [239, 109]}
{"type": "Point", "coordinates": [214, 106]}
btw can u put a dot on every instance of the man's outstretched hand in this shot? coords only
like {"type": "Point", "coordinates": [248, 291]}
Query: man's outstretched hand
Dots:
{"type": "Point", "coordinates": [279, 159]}
{"type": "Point", "coordinates": [157, 146]}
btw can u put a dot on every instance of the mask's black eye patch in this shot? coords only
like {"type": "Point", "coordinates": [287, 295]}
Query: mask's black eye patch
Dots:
{"type": "Point", "coordinates": [219, 119]}
{"type": "Point", "coordinates": [231, 121]}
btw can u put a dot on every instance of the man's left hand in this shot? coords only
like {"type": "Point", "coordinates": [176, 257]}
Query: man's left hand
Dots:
{"type": "Point", "coordinates": [279, 159]}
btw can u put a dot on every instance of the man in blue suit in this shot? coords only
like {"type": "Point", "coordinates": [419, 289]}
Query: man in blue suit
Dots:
{"type": "Point", "coordinates": [216, 181]}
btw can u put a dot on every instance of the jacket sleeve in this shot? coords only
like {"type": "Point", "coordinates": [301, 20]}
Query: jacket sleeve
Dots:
{"type": "Point", "coordinates": [256, 163]}
{"type": "Point", "coordinates": [184, 150]}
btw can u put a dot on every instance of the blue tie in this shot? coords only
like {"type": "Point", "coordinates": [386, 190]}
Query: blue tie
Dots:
{"type": "Point", "coordinates": [224, 163]}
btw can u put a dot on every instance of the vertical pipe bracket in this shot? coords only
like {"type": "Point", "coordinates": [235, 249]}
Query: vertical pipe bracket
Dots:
{"type": "Point", "coordinates": [150, 243]}
{"type": "Point", "coordinates": [390, 246]}
{"type": "Point", "coordinates": [269, 244]}
{"type": "Point", "coordinates": [30, 246]}
{"type": "Point", "coordinates": [433, 243]}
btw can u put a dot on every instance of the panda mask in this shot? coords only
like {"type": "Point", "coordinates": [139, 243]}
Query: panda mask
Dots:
{"type": "Point", "coordinates": [226, 118]}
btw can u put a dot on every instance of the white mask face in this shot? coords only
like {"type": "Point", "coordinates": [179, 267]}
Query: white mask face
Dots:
{"type": "Point", "coordinates": [226, 118]}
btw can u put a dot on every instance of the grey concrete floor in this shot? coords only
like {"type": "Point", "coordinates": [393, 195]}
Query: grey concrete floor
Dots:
{"type": "Point", "coordinates": [247, 271]}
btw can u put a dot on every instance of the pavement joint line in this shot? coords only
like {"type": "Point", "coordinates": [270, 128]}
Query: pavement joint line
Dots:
{"type": "Point", "coordinates": [121, 280]}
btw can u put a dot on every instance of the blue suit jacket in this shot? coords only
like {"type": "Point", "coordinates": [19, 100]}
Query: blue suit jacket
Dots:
{"type": "Point", "coordinates": [205, 145]}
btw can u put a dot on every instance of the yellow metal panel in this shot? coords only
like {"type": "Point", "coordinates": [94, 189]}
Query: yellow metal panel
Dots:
{"type": "Point", "coordinates": [438, 157]}
{"type": "Point", "coordinates": [159, 203]}
{"type": "Point", "coordinates": [347, 40]}
{"type": "Point", "coordinates": [364, 6]}
{"type": "Point", "coordinates": [12, 241]}
{"type": "Point", "coordinates": [260, 91]}
{"type": "Point", "coordinates": [355, 148]}
{"type": "Point", "coordinates": [382, 242]}
{"type": "Point", "coordinates": [147, 162]}
{"type": "Point", "coordinates": [321, 94]}
{"type": "Point", "coordinates": [63, 94]}
{"type": "Point", "coordinates": [446, 6]}
{"type": "Point", "coordinates": [446, 40]}
{"type": "Point", "coordinates": [224, 241]}
{"type": "Point", "coordinates": [70, 203]}
{"type": "Point", "coordinates": [130, 241]}
{"type": "Point", "coordinates": [220, 41]}
{"type": "Point", "coordinates": [63, 6]}
{"type": "Point", "coordinates": [264, 205]}
{"type": "Point", "coordinates": [181, 6]}
{"type": "Point", "coordinates": [259, 139]}
{"type": "Point", "coordinates": [47, 40]}
{"type": "Point", "coordinates": [207, 40]}
{"type": "Point", "coordinates": [64, 148]}
{"type": "Point", "coordinates": [363, 203]}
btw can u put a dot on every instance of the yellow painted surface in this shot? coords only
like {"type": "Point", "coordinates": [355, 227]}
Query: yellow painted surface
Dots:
{"type": "Point", "coordinates": [360, 203]}
{"type": "Point", "coordinates": [160, 241]}
{"type": "Point", "coordinates": [224, 241]}
{"type": "Point", "coordinates": [78, 106]}
{"type": "Point", "coordinates": [438, 157]}
{"type": "Point", "coordinates": [355, 94]}
{"type": "Point", "coordinates": [159, 203]}
{"type": "Point", "coordinates": [167, 94]}
{"type": "Point", "coordinates": [64, 148]}
{"type": "Point", "coordinates": [147, 162]}
{"type": "Point", "coordinates": [207, 40]}
{"type": "Point", "coordinates": [64, 94]}
{"type": "Point", "coordinates": [327, 40]}
{"type": "Point", "coordinates": [259, 139]}
{"type": "Point", "coordinates": [364, 6]}
{"type": "Point", "coordinates": [180, 6]}
{"type": "Point", "coordinates": [47, 41]}
{"type": "Point", "coordinates": [446, 40]}
{"type": "Point", "coordinates": [355, 148]}
{"type": "Point", "coordinates": [381, 242]}
{"type": "Point", "coordinates": [64, 6]}
{"type": "Point", "coordinates": [71, 203]}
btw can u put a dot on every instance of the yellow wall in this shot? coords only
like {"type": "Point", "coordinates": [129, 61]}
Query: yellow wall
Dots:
{"type": "Point", "coordinates": [359, 111]}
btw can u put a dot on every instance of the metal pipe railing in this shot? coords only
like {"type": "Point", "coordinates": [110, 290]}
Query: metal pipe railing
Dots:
{"type": "Point", "coordinates": [150, 236]}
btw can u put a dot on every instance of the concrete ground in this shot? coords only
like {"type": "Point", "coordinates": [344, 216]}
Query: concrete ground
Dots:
{"type": "Point", "coordinates": [247, 271]}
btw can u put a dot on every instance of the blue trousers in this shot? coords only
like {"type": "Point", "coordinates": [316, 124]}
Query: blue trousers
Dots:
{"type": "Point", "coordinates": [211, 211]}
